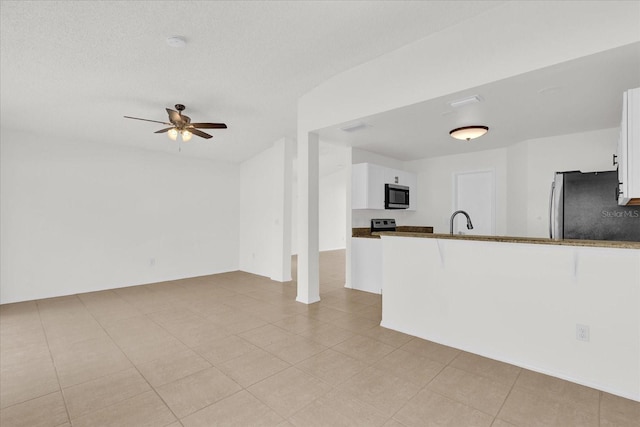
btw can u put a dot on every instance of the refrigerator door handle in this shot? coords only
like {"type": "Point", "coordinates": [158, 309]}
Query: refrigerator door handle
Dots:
{"type": "Point", "coordinates": [553, 188]}
{"type": "Point", "coordinates": [556, 207]}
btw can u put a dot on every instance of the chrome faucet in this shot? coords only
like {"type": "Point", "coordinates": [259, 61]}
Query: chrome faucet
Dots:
{"type": "Point", "coordinates": [469, 225]}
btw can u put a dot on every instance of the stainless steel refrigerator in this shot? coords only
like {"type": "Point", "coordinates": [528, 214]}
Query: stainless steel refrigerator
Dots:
{"type": "Point", "coordinates": [585, 206]}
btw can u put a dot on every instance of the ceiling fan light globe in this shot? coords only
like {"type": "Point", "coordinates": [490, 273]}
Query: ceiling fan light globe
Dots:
{"type": "Point", "coordinates": [186, 135]}
{"type": "Point", "coordinates": [173, 134]}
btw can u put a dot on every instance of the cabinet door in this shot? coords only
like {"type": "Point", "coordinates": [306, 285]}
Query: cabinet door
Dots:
{"type": "Point", "coordinates": [629, 149]}
{"type": "Point", "coordinates": [367, 186]}
{"type": "Point", "coordinates": [376, 187]}
{"type": "Point", "coordinates": [633, 146]}
{"type": "Point", "coordinates": [622, 160]}
{"type": "Point", "coordinates": [366, 264]}
{"type": "Point", "coordinates": [392, 176]}
{"type": "Point", "coordinates": [411, 180]}
{"type": "Point", "coordinates": [359, 186]}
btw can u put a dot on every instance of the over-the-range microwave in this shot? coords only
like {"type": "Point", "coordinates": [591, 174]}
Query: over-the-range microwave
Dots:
{"type": "Point", "coordinates": [396, 196]}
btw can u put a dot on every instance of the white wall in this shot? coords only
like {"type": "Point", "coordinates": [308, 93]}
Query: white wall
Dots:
{"type": "Point", "coordinates": [362, 156]}
{"type": "Point", "coordinates": [265, 212]}
{"type": "Point", "coordinates": [257, 212]}
{"type": "Point", "coordinates": [435, 204]}
{"type": "Point", "coordinates": [332, 208]}
{"type": "Point", "coordinates": [523, 174]}
{"type": "Point", "coordinates": [333, 205]}
{"type": "Point", "coordinates": [517, 190]}
{"type": "Point", "coordinates": [79, 217]}
{"type": "Point", "coordinates": [294, 219]}
{"type": "Point", "coordinates": [588, 152]}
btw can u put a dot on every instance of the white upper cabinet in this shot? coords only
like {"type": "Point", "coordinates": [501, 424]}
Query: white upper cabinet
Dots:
{"type": "Point", "coordinates": [367, 185]}
{"type": "Point", "coordinates": [629, 150]}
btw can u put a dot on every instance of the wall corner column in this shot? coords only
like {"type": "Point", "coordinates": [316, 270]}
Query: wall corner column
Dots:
{"type": "Point", "coordinates": [282, 199]}
{"type": "Point", "coordinates": [349, 222]}
{"type": "Point", "coordinates": [308, 219]}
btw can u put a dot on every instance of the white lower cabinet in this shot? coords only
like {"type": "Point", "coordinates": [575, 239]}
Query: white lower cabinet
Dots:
{"type": "Point", "coordinates": [366, 264]}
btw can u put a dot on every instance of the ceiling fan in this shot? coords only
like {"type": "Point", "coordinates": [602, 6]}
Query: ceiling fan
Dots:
{"type": "Point", "coordinates": [180, 124]}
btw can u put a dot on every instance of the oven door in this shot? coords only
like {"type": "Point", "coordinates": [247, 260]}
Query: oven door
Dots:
{"type": "Point", "coordinates": [396, 196]}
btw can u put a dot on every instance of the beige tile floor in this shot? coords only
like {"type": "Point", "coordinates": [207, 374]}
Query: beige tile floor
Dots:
{"type": "Point", "coordinates": [235, 349]}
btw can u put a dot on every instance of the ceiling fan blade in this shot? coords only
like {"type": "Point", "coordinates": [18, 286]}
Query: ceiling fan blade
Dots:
{"type": "Point", "coordinates": [164, 130]}
{"type": "Point", "coordinates": [209, 125]}
{"type": "Point", "coordinates": [174, 116]}
{"type": "Point", "coordinates": [200, 133]}
{"type": "Point", "coordinates": [146, 120]}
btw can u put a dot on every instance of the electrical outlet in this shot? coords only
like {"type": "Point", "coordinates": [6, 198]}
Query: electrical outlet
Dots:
{"type": "Point", "coordinates": [582, 332]}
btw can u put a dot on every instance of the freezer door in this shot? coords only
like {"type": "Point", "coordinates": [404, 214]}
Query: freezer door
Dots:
{"type": "Point", "coordinates": [591, 210]}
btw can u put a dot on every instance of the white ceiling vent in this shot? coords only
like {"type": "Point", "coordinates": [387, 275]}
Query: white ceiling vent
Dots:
{"type": "Point", "coordinates": [465, 101]}
{"type": "Point", "coordinates": [353, 127]}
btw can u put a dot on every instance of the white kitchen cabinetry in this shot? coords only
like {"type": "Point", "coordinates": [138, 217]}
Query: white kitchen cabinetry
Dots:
{"type": "Point", "coordinates": [629, 150]}
{"type": "Point", "coordinates": [367, 185]}
{"type": "Point", "coordinates": [394, 176]}
{"type": "Point", "coordinates": [412, 183]}
{"type": "Point", "coordinates": [366, 264]}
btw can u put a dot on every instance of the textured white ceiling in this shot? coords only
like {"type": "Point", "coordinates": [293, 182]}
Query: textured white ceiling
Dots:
{"type": "Point", "coordinates": [74, 68]}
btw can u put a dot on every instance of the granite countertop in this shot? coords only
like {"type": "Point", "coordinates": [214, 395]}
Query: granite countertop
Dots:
{"type": "Point", "coordinates": [365, 232]}
{"type": "Point", "coordinates": [507, 239]}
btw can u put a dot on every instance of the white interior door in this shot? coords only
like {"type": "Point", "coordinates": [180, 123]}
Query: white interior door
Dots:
{"type": "Point", "coordinates": [475, 194]}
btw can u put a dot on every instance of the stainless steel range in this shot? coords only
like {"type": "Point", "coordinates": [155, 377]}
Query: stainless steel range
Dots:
{"type": "Point", "coordinates": [388, 224]}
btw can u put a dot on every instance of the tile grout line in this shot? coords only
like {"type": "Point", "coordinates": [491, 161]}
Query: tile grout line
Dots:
{"type": "Point", "coordinates": [353, 334]}
{"type": "Point", "coordinates": [508, 394]}
{"type": "Point", "coordinates": [423, 387]}
{"type": "Point", "coordinates": [53, 362]}
{"type": "Point", "coordinates": [600, 395]}
{"type": "Point", "coordinates": [242, 388]}
{"type": "Point", "coordinates": [132, 364]}
{"type": "Point", "coordinates": [367, 363]}
{"type": "Point", "coordinates": [291, 365]}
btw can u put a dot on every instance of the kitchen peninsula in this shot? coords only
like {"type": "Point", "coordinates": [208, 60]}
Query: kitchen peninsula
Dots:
{"type": "Point", "coordinates": [570, 309]}
{"type": "Point", "coordinates": [366, 256]}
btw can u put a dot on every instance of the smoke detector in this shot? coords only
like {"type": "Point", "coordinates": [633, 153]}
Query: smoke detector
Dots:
{"type": "Point", "coordinates": [176, 41]}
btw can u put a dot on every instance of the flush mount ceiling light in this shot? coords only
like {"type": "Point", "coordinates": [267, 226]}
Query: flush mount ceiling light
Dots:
{"type": "Point", "coordinates": [467, 133]}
